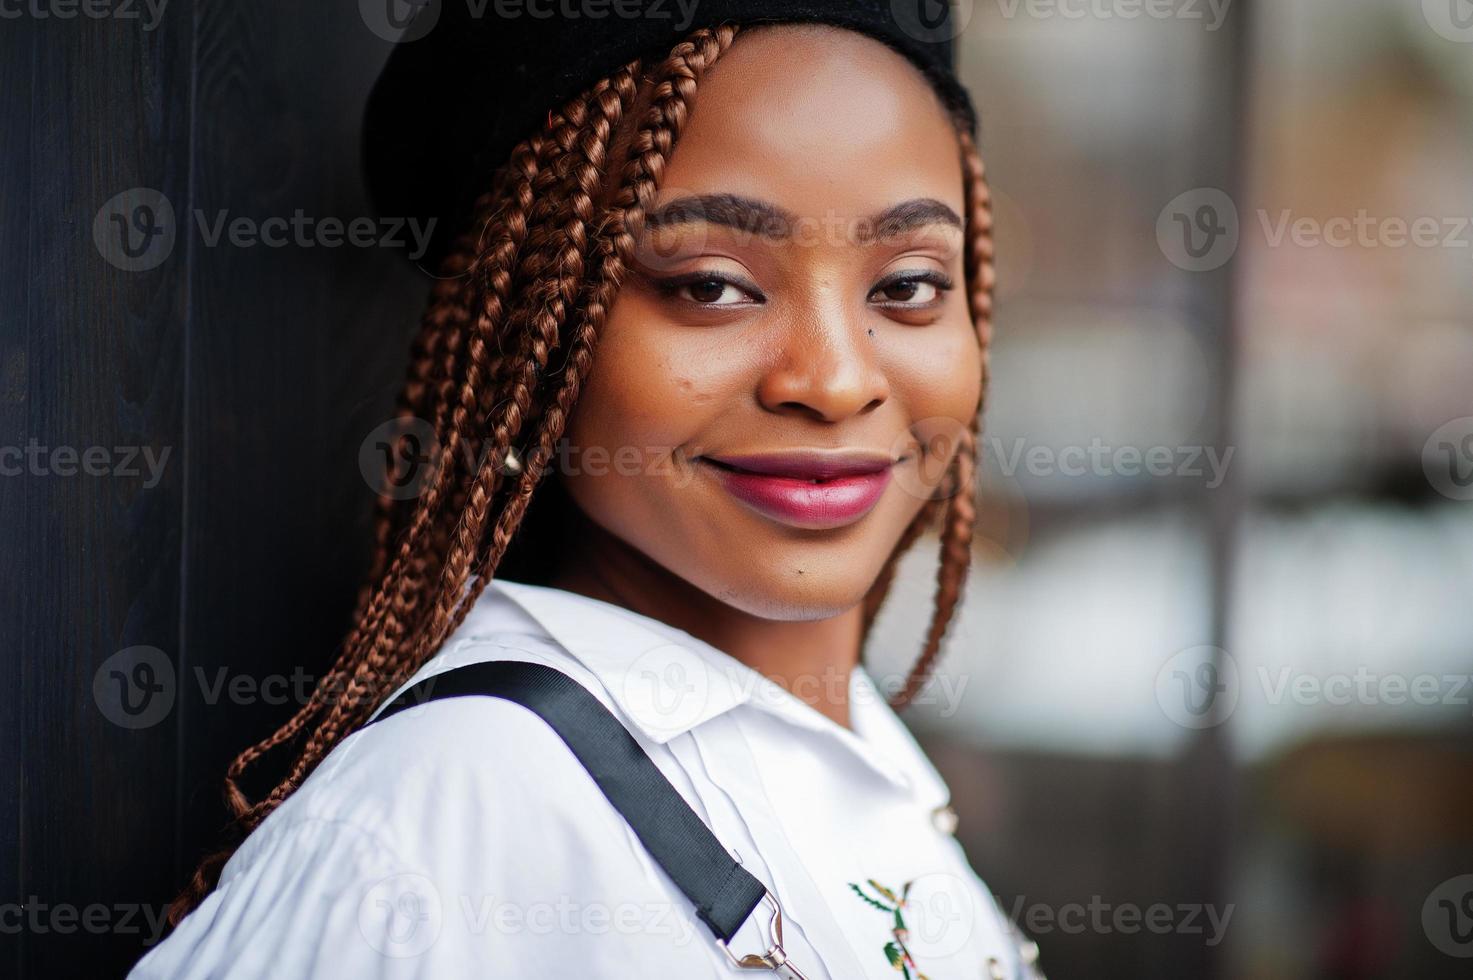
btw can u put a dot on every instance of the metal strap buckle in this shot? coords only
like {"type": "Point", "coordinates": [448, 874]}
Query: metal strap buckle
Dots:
{"type": "Point", "coordinates": [774, 957]}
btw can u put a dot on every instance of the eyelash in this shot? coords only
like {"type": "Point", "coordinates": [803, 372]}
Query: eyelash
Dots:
{"type": "Point", "coordinates": [671, 287]}
{"type": "Point", "coordinates": [940, 280]}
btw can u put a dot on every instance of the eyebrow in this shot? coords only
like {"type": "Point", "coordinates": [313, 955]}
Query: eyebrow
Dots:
{"type": "Point", "coordinates": [731, 210]}
{"type": "Point", "coordinates": [915, 213]}
{"type": "Point", "coordinates": [754, 216]}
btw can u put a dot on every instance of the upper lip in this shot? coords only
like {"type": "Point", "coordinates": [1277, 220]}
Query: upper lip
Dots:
{"type": "Point", "coordinates": [805, 464]}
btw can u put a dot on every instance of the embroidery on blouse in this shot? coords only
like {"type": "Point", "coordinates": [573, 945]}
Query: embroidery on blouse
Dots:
{"type": "Point", "coordinates": [888, 902]}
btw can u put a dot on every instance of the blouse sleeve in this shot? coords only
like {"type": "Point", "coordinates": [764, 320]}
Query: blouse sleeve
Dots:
{"type": "Point", "coordinates": [318, 898]}
{"type": "Point", "coordinates": [457, 839]}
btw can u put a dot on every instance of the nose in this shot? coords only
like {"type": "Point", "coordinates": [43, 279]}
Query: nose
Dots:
{"type": "Point", "coordinates": [827, 369]}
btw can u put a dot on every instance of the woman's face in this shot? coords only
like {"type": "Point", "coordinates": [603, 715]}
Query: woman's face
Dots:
{"type": "Point", "coordinates": [782, 378]}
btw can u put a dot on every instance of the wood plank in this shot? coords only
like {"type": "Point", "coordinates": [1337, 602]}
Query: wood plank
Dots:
{"type": "Point", "coordinates": [296, 354]}
{"type": "Point", "coordinates": [108, 113]}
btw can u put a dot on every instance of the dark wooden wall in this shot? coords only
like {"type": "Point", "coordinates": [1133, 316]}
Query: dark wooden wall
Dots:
{"type": "Point", "coordinates": [259, 370]}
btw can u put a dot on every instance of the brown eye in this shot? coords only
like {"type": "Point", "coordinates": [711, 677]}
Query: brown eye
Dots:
{"type": "Point", "coordinates": [911, 292]}
{"type": "Point", "coordinates": [706, 291]}
{"type": "Point", "coordinates": [710, 290]}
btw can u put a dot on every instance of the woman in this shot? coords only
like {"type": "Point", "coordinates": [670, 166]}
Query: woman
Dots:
{"type": "Point", "coordinates": [777, 238]}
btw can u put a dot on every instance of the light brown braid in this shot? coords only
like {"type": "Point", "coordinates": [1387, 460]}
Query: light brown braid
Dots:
{"type": "Point", "coordinates": [503, 350]}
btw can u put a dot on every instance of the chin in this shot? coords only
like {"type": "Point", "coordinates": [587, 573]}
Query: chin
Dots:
{"type": "Point", "coordinates": [791, 588]}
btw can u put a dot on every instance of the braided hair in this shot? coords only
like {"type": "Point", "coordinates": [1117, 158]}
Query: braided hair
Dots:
{"type": "Point", "coordinates": [502, 351]}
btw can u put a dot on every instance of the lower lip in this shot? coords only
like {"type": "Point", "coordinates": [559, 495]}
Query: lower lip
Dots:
{"type": "Point", "coordinates": [814, 506]}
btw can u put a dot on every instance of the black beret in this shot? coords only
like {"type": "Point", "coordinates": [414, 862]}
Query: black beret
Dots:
{"type": "Point", "coordinates": [470, 79]}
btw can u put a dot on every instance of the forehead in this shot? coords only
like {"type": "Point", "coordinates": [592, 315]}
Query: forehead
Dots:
{"type": "Point", "coordinates": [817, 120]}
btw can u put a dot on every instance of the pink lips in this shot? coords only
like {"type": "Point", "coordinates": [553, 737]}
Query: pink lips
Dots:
{"type": "Point", "coordinates": [816, 491]}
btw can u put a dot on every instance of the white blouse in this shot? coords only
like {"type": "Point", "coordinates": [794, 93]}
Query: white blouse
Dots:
{"type": "Point", "coordinates": [462, 838]}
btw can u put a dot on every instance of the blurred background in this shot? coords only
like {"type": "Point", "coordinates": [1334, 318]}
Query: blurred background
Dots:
{"type": "Point", "coordinates": [1207, 710]}
{"type": "Point", "coordinates": [1240, 684]}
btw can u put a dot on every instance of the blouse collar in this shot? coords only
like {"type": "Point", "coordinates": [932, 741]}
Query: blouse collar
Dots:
{"type": "Point", "coordinates": [667, 681]}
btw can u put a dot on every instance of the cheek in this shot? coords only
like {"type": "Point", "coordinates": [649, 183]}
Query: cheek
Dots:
{"type": "Point", "coordinates": [650, 394]}
{"type": "Point", "coordinates": [651, 387]}
{"type": "Point", "coordinates": [937, 374]}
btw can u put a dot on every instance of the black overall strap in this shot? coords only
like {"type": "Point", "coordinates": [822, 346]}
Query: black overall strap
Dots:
{"type": "Point", "coordinates": [723, 892]}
